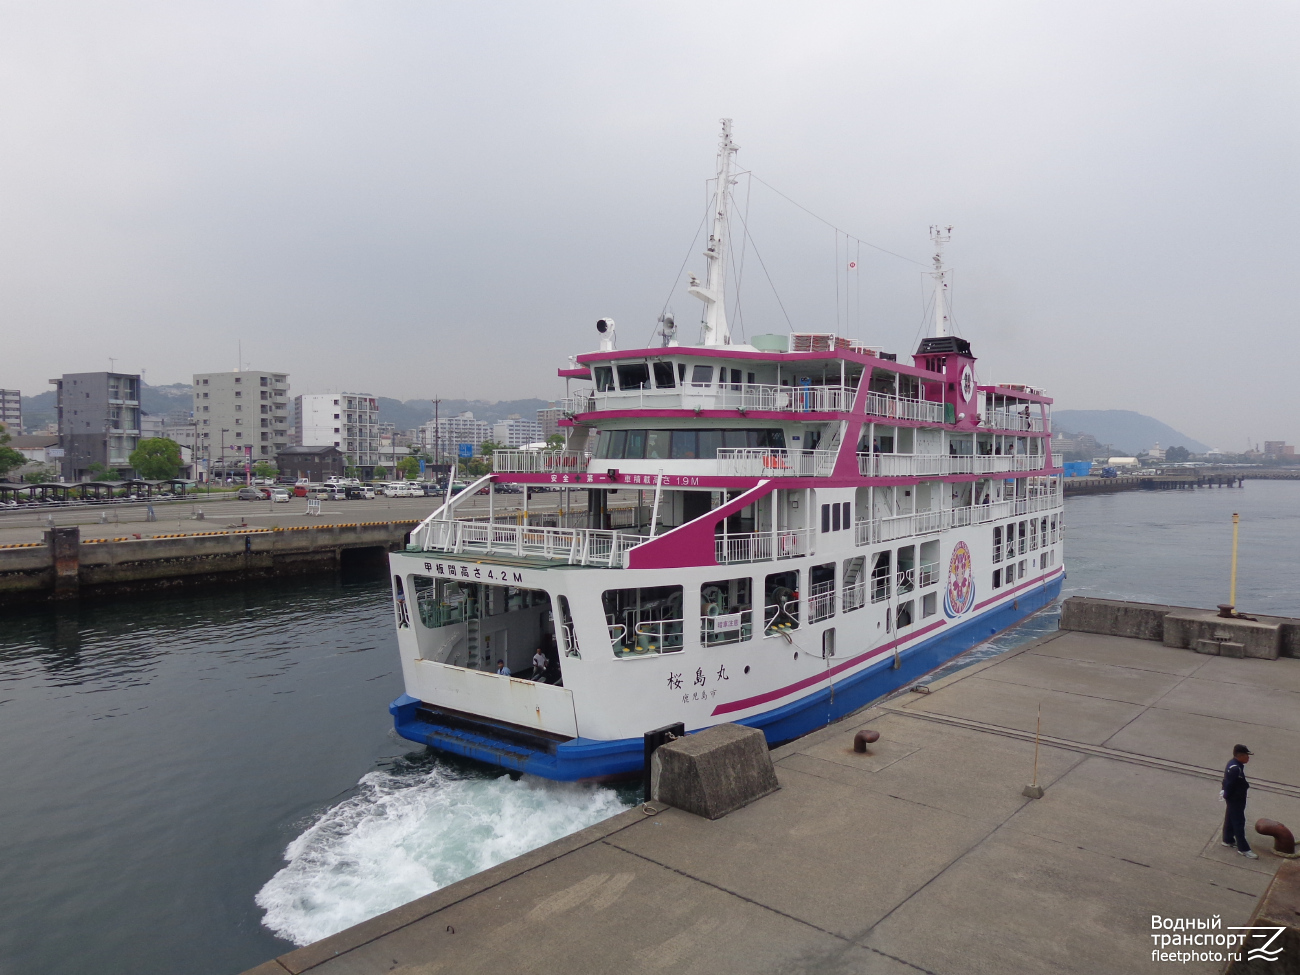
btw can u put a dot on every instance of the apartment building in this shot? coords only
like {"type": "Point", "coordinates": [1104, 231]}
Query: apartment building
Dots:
{"type": "Point", "coordinates": [515, 431]}
{"type": "Point", "coordinates": [11, 411]}
{"type": "Point", "coordinates": [99, 421]}
{"type": "Point", "coordinates": [349, 421]}
{"type": "Point", "coordinates": [240, 416]}
{"type": "Point", "coordinates": [444, 435]}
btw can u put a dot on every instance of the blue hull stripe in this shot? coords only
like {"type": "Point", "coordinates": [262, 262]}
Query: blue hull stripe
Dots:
{"type": "Point", "coordinates": [586, 758]}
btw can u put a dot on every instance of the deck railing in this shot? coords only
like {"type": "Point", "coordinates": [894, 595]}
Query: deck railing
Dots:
{"type": "Point", "coordinates": [539, 461]}
{"type": "Point", "coordinates": [933, 465]}
{"type": "Point", "coordinates": [728, 396]}
{"type": "Point", "coordinates": [764, 546]}
{"type": "Point", "coordinates": [576, 546]}
{"type": "Point", "coordinates": [1012, 420]}
{"type": "Point", "coordinates": [774, 462]}
{"type": "Point", "coordinates": [903, 408]}
{"type": "Point", "coordinates": [821, 602]}
{"type": "Point", "coordinates": [928, 522]}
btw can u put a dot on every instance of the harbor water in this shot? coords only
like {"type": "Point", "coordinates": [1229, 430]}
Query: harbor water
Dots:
{"type": "Point", "coordinates": [198, 781]}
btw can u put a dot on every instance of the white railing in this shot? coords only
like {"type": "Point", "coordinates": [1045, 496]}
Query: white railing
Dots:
{"type": "Point", "coordinates": [821, 602]}
{"type": "Point", "coordinates": [764, 546]}
{"type": "Point", "coordinates": [927, 465]}
{"type": "Point", "coordinates": [903, 408]}
{"type": "Point", "coordinates": [854, 596]}
{"type": "Point", "coordinates": [539, 462]}
{"type": "Point", "coordinates": [722, 396]}
{"type": "Point", "coordinates": [576, 546]}
{"type": "Point", "coordinates": [927, 574]}
{"type": "Point", "coordinates": [1012, 420]}
{"type": "Point", "coordinates": [774, 462]}
{"type": "Point", "coordinates": [928, 522]}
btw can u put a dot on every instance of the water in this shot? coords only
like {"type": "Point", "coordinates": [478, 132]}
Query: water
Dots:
{"type": "Point", "coordinates": [196, 782]}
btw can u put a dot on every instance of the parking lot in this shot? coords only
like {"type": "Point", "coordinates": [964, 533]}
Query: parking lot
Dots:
{"type": "Point", "coordinates": [200, 513]}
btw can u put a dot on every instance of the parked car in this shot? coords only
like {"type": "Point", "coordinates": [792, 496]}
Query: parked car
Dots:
{"type": "Point", "coordinates": [362, 493]}
{"type": "Point", "coordinates": [250, 494]}
{"type": "Point", "coordinates": [279, 494]}
{"type": "Point", "coordinates": [397, 489]}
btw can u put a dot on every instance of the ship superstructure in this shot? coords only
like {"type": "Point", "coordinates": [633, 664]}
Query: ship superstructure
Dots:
{"type": "Point", "coordinates": [775, 533]}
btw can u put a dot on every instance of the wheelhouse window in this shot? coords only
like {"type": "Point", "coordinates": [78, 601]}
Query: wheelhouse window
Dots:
{"type": "Point", "coordinates": [604, 378]}
{"type": "Point", "coordinates": [664, 375]}
{"type": "Point", "coordinates": [726, 612]}
{"type": "Point", "coordinates": [644, 621]}
{"type": "Point", "coordinates": [701, 375]}
{"type": "Point", "coordinates": [634, 375]}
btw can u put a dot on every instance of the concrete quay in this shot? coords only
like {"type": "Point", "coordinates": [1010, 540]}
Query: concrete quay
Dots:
{"type": "Point", "coordinates": [921, 855]}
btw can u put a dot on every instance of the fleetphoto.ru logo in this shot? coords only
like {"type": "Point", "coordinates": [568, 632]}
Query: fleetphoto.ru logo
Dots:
{"type": "Point", "coordinates": [1188, 939]}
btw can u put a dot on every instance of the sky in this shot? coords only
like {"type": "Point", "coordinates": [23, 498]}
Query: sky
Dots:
{"type": "Point", "coordinates": [419, 199]}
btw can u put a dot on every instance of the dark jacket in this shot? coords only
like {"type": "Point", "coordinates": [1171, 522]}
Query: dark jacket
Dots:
{"type": "Point", "coordinates": [1234, 782]}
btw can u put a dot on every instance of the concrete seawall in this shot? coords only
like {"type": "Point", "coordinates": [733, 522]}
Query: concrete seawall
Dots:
{"type": "Point", "coordinates": [64, 567]}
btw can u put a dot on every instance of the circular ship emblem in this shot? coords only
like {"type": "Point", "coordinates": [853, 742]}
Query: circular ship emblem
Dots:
{"type": "Point", "coordinates": [967, 384]}
{"type": "Point", "coordinates": [961, 582]}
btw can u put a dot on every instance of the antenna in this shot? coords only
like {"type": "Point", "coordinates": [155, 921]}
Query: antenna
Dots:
{"type": "Point", "coordinates": [942, 316]}
{"type": "Point", "coordinates": [112, 364]}
{"type": "Point", "coordinates": [713, 291]}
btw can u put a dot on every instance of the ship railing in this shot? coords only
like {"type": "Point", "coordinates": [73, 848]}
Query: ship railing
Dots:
{"type": "Point", "coordinates": [1019, 420]}
{"type": "Point", "coordinates": [726, 628]}
{"type": "Point", "coordinates": [539, 461]}
{"type": "Point", "coordinates": [927, 574]}
{"type": "Point", "coordinates": [719, 396]}
{"type": "Point", "coordinates": [904, 408]}
{"type": "Point", "coordinates": [854, 596]}
{"type": "Point", "coordinates": [768, 546]}
{"type": "Point", "coordinates": [774, 462]}
{"type": "Point", "coordinates": [821, 602]}
{"type": "Point", "coordinates": [576, 546]}
{"type": "Point", "coordinates": [925, 465]}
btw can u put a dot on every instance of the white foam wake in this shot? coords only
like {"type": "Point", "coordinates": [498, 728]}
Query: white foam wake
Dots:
{"type": "Point", "coordinates": [407, 834]}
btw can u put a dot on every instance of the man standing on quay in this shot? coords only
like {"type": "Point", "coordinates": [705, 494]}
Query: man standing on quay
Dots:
{"type": "Point", "coordinates": [1234, 791]}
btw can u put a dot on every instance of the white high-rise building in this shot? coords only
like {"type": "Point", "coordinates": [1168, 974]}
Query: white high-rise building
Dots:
{"type": "Point", "coordinates": [515, 431]}
{"type": "Point", "coordinates": [349, 421]}
{"type": "Point", "coordinates": [446, 433]}
{"type": "Point", "coordinates": [11, 411]}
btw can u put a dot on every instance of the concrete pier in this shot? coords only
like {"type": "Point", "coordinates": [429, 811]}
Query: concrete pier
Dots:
{"type": "Point", "coordinates": [920, 854]}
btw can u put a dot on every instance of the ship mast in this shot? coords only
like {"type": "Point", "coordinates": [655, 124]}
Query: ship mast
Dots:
{"type": "Point", "coordinates": [942, 319]}
{"type": "Point", "coordinates": [714, 330]}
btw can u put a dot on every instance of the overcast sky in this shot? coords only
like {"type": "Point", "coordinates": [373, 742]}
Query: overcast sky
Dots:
{"type": "Point", "coordinates": [418, 199]}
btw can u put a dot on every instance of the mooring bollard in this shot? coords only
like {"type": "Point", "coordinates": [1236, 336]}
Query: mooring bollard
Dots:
{"type": "Point", "coordinates": [864, 738]}
{"type": "Point", "coordinates": [1283, 840]}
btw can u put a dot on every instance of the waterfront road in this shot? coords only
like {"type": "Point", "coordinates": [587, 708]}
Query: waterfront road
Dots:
{"type": "Point", "coordinates": [130, 519]}
{"type": "Point", "coordinates": [922, 856]}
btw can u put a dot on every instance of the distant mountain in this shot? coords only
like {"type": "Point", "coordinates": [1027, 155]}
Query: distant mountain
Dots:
{"type": "Point", "coordinates": [1127, 431]}
{"type": "Point", "coordinates": [410, 414]}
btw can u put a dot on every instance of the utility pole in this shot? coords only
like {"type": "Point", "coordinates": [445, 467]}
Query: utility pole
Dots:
{"type": "Point", "coordinates": [437, 435]}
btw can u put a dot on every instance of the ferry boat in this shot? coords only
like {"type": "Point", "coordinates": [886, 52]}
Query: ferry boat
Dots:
{"type": "Point", "coordinates": [774, 534]}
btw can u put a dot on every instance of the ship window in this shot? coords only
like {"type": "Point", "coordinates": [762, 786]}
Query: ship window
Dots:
{"type": "Point", "coordinates": [658, 444]}
{"type": "Point", "coordinates": [613, 443]}
{"type": "Point", "coordinates": [701, 375]}
{"type": "Point", "coordinates": [929, 604]}
{"type": "Point", "coordinates": [664, 375]}
{"type": "Point", "coordinates": [726, 611]}
{"type": "Point", "coordinates": [635, 448]}
{"type": "Point", "coordinates": [635, 375]}
{"type": "Point", "coordinates": [710, 441]}
{"type": "Point", "coordinates": [997, 578]}
{"type": "Point", "coordinates": [685, 445]}
{"type": "Point", "coordinates": [903, 616]}
{"type": "Point", "coordinates": [604, 378]}
{"type": "Point", "coordinates": [681, 373]}
{"type": "Point", "coordinates": [781, 601]}
{"type": "Point", "coordinates": [644, 621]}
{"type": "Point", "coordinates": [735, 438]}
{"type": "Point", "coordinates": [826, 518]}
